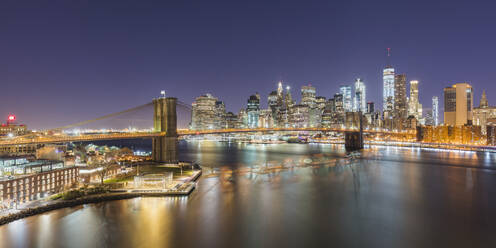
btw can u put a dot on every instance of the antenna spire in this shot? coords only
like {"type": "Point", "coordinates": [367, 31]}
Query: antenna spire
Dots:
{"type": "Point", "coordinates": [388, 59]}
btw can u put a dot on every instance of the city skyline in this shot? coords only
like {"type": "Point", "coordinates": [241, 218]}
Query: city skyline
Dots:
{"type": "Point", "coordinates": [125, 57]}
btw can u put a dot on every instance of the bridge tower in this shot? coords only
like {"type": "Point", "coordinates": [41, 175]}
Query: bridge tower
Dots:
{"type": "Point", "coordinates": [353, 140]}
{"type": "Point", "coordinates": [164, 148]}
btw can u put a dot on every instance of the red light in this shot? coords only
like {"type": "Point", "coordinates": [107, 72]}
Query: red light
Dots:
{"type": "Point", "coordinates": [11, 118]}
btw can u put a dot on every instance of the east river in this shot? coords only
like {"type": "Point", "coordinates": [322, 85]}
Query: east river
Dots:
{"type": "Point", "coordinates": [293, 195]}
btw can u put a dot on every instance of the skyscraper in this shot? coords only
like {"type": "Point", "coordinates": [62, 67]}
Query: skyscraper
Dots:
{"type": "Point", "coordinates": [458, 104]}
{"type": "Point", "coordinates": [400, 104]}
{"type": "Point", "coordinates": [388, 88]}
{"type": "Point", "coordinates": [345, 90]}
{"type": "Point", "coordinates": [203, 113]}
{"type": "Point", "coordinates": [288, 99]}
{"type": "Point", "coordinates": [360, 96]}
{"type": "Point", "coordinates": [485, 117]}
{"type": "Point", "coordinates": [414, 107]}
{"type": "Point", "coordinates": [370, 107]}
{"type": "Point", "coordinates": [253, 111]}
{"type": "Point", "coordinates": [308, 95]}
{"type": "Point", "coordinates": [435, 111]}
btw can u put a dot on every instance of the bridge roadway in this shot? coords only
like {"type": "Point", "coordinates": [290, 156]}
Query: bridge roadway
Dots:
{"type": "Point", "coordinates": [63, 138]}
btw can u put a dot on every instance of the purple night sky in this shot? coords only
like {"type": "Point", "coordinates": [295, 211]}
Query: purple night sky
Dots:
{"type": "Point", "coordinates": [68, 61]}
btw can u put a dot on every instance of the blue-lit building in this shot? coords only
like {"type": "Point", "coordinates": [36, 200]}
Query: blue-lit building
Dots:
{"type": "Point", "coordinates": [253, 111]}
{"type": "Point", "coordinates": [345, 90]}
{"type": "Point", "coordinates": [388, 88]}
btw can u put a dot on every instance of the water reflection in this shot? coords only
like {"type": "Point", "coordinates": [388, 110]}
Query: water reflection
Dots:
{"type": "Point", "coordinates": [293, 195]}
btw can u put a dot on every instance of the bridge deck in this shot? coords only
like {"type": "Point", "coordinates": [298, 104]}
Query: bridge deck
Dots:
{"type": "Point", "coordinates": [61, 138]}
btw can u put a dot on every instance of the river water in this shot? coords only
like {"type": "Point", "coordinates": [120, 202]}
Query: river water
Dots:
{"type": "Point", "coordinates": [293, 195]}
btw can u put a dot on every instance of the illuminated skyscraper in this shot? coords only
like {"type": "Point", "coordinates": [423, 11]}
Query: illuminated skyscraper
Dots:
{"type": "Point", "coordinates": [370, 107]}
{"type": "Point", "coordinates": [288, 99]}
{"type": "Point", "coordinates": [400, 104]}
{"type": "Point", "coordinates": [388, 88]}
{"type": "Point", "coordinates": [360, 96]}
{"type": "Point", "coordinates": [203, 113]}
{"type": "Point", "coordinates": [414, 107]}
{"type": "Point", "coordinates": [308, 95]}
{"type": "Point", "coordinates": [345, 90]}
{"type": "Point", "coordinates": [458, 104]}
{"type": "Point", "coordinates": [253, 111]}
{"type": "Point", "coordinates": [435, 111]}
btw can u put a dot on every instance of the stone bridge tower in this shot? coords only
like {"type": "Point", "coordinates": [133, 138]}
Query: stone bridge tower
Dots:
{"type": "Point", "coordinates": [165, 120]}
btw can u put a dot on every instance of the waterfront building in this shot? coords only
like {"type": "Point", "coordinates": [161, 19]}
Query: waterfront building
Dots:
{"type": "Point", "coordinates": [458, 104]}
{"type": "Point", "coordinates": [253, 111]}
{"type": "Point", "coordinates": [12, 128]}
{"type": "Point", "coordinates": [345, 91]}
{"type": "Point", "coordinates": [460, 135]}
{"type": "Point", "coordinates": [435, 111]}
{"type": "Point", "coordinates": [24, 149]}
{"type": "Point", "coordinates": [388, 88]}
{"type": "Point", "coordinates": [491, 135]}
{"type": "Point", "coordinates": [308, 95]}
{"type": "Point", "coordinates": [203, 113]}
{"type": "Point", "coordinates": [360, 96]}
{"type": "Point", "coordinates": [23, 180]}
{"type": "Point", "coordinates": [484, 115]}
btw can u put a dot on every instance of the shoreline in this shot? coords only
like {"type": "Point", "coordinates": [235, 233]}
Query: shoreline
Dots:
{"type": "Point", "coordinates": [111, 196]}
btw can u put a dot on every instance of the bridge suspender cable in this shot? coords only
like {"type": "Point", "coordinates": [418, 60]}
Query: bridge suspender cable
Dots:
{"type": "Point", "coordinates": [102, 117]}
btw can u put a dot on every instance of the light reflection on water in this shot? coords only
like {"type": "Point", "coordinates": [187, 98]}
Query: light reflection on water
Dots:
{"type": "Point", "coordinates": [293, 195]}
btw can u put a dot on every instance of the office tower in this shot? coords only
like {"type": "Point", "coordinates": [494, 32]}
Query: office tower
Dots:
{"type": "Point", "coordinates": [300, 116]}
{"type": "Point", "coordinates": [338, 112]}
{"type": "Point", "coordinates": [483, 102]}
{"type": "Point", "coordinates": [400, 104]}
{"type": "Point", "coordinates": [435, 111]}
{"type": "Point", "coordinates": [279, 89]}
{"type": "Point", "coordinates": [220, 115]}
{"type": "Point", "coordinates": [370, 107]}
{"type": "Point", "coordinates": [414, 107]}
{"type": "Point", "coordinates": [458, 103]}
{"type": "Point", "coordinates": [232, 120]}
{"type": "Point", "coordinates": [308, 95]}
{"type": "Point", "coordinates": [388, 88]}
{"type": "Point", "coordinates": [345, 91]}
{"type": "Point", "coordinates": [360, 96]}
{"type": "Point", "coordinates": [203, 113]}
{"type": "Point", "coordinates": [288, 100]}
{"type": "Point", "coordinates": [265, 118]}
{"type": "Point", "coordinates": [485, 116]}
{"type": "Point", "coordinates": [320, 102]}
{"type": "Point", "coordinates": [253, 111]}
{"type": "Point", "coordinates": [272, 101]}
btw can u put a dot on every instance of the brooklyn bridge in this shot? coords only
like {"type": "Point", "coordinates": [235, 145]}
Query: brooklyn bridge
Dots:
{"type": "Point", "coordinates": [165, 132]}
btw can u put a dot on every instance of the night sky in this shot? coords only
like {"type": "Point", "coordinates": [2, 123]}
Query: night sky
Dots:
{"type": "Point", "coordinates": [67, 61]}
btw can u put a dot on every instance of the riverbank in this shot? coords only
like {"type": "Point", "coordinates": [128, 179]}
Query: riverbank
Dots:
{"type": "Point", "coordinates": [50, 205]}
